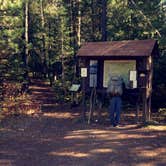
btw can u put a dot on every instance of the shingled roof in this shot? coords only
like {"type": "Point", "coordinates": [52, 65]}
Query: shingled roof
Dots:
{"type": "Point", "coordinates": [119, 48]}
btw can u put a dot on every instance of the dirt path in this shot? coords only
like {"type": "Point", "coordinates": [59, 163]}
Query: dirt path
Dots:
{"type": "Point", "coordinates": [55, 139]}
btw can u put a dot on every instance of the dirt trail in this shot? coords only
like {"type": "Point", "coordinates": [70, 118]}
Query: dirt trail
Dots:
{"type": "Point", "coordinates": [55, 139]}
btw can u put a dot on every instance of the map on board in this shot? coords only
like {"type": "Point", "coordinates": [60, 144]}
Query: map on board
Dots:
{"type": "Point", "coordinates": [118, 67]}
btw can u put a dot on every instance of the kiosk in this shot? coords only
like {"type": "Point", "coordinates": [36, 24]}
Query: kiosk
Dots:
{"type": "Point", "coordinates": [132, 59]}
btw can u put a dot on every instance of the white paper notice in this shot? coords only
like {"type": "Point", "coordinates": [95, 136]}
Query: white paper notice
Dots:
{"type": "Point", "coordinates": [134, 84]}
{"type": "Point", "coordinates": [133, 75]}
{"type": "Point", "coordinates": [83, 72]}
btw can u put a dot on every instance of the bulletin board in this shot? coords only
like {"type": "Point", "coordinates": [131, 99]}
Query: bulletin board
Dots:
{"type": "Point", "coordinates": [118, 67]}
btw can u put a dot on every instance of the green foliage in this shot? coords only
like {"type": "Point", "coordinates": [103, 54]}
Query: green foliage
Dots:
{"type": "Point", "coordinates": [11, 24]}
{"type": "Point", "coordinates": [159, 83]}
{"type": "Point", "coordinates": [11, 44]}
{"type": "Point", "coordinates": [53, 34]}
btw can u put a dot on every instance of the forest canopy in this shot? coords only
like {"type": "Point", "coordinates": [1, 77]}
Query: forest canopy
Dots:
{"type": "Point", "coordinates": [34, 35]}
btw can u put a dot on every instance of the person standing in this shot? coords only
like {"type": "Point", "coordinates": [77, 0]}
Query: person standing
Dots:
{"type": "Point", "coordinates": [115, 90]}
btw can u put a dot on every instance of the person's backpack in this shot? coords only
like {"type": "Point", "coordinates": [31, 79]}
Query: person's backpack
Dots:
{"type": "Point", "coordinates": [115, 86]}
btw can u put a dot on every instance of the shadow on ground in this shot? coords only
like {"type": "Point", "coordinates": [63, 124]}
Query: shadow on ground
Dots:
{"type": "Point", "coordinates": [56, 138]}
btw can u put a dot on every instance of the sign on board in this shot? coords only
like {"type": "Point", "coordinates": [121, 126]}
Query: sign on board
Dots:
{"type": "Point", "coordinates": [74, 87]}
{"type": "Point", "coordinates": [84, 72]}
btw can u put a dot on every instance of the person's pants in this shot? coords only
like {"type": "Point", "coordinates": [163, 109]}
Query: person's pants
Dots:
{"type": "Point", "coordinates": [115, 110]}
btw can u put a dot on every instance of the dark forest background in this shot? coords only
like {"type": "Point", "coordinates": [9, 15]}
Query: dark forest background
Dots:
{"type": "Point", "coordinates": [37, 36]}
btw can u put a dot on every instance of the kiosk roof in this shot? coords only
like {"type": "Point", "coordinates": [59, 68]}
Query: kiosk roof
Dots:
{"type": "Point", "coordinates": [119, 48]}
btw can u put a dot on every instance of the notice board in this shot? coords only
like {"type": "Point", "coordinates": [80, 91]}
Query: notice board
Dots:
{"type": "Point", "coordinates": [118, 67]}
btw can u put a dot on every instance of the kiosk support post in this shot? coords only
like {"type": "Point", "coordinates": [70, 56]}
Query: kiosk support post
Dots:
{"type": "Point", "coordinates": [84, 99]}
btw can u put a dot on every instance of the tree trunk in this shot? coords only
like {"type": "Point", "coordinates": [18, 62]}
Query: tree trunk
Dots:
{"type": "Point", "coordinates": [78, 28]}
{"type": "Point", "coordinates": [50, 71]}
{"type": "Point", "coordinates": [71, 22]}
{"type": "Point", "coordinates": [79, 25]}
{"type": "Point", "coordinates": [43, 39]}
{"type": "Point", "coordinates": [92, 20]}
{"type": "Point", "coordinates": [73, 32]}
{"type": "Point", "coordinates": [62, 51]}
{"type": "Point", "coordinates": [26, 32]}
{"type": "Point", "coordinates": [75, 19]}
{"type": "Point", "coordinates": [104, 20]}
{"type": "Point", "coordinates": [74, 25]}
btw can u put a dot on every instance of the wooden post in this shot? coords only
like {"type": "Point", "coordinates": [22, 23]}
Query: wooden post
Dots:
{"type": "Point", "coordinates": [147, 90]}
{"type": "Point", "coordinates": [144, 106]}
{"type": "Point", "coordinates": [137, 112]}
{"type": "Point", "coordinates": [92, 103]}
{"type": "Point", "coordinates": [149, 109]}
{"type": "Point", "coordinates": [83, 64]}
{"type": "Point", "coordinates": [150, 61]}
{"type": "Point", "coordinates": [84, 98]}
{"type": "Point", "coordinates": [138, 104]}
{"type": "Point", "coordinates": [72, 100]}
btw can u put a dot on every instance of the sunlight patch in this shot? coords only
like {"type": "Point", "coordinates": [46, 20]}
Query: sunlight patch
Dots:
{"type": "Point", "coordinates": [69, 154]}
{"type": "Point", "coordinates": [158, 128]}
{"type": "Point", "coordinates": [104, 150]}
{"type": "Point", "coordinates": [146, 164]}
{"type": "Point", "coordinates": [59, 115]}
{"type": "Point", "coordinates": [152, 153]}
{"type": "Point", "coordinates": [76, 137]}
{"type": "Point", "coordinates": [91, 131]}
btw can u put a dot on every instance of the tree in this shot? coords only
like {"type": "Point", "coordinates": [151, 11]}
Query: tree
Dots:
{"type": "Point", "coordinates": [104, 20]}
{"type": "Point", "coordinates": [40, 33]}
{"type": "Point", "coordinates": [11, 39]}
{"type": "Point", "coordinates": [11, 43]}
{"type": "Point", "coordinates": [26, 32]}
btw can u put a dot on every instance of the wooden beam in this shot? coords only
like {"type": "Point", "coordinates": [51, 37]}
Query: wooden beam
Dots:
{"type": "Point", "coordinates": [149, 90]}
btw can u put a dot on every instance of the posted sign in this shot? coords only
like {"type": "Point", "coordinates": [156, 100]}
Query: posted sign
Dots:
{"type": "Point", "coordinates": [133, 75]}
{"type": "Point", "coordinates": [84, 72]}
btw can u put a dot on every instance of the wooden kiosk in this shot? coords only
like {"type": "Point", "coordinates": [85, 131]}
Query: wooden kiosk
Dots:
{"type": "Point", "coordinates": [132, 59]}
